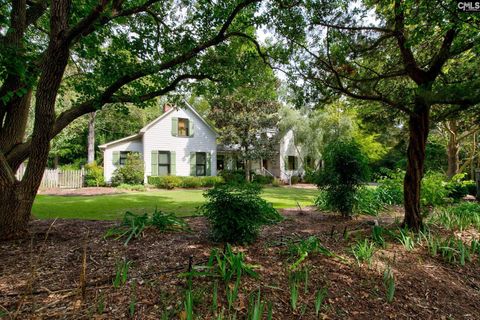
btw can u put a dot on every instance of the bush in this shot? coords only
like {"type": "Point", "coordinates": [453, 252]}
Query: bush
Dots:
{"type": "Point", "coordinates": [94, 175]}
{"type": "Point", "coordinates": [132, 187]}
{"type": "Point", "coordinates": [346, 168]}
{"type": "Point", "coordinates": [262, 179]}
{"type": "Point", "coordinates": [295, 179]}
{"type": "Point", "coordinates": [131, 173]}
{"type": "Point", "coordinates": [310, 175]}
{"type": "Point", "coordinates": [276, 183]}
{"type": "Point", "coordinates": [391, 187]}
{"type": "Point", "coordinates": [236, 212]}
{"type": "Point", "coordinates": [233, 176]}
{"type": "Point", "coordinates": [369, 201]}
{"type": "Point", "coordinates": [170, 182]}
{"type": "Point", "coordinates": [457, 187]}
{"type": "Point", "coordinates": [459, 216]}
{"type": "Point", "coordinates": [434, 191]}
{"type": "Point", "coordinates": [471, 187]}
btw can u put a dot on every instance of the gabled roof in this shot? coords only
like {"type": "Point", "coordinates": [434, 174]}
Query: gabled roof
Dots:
{"type": "Point", "coordinates": [155, 121]}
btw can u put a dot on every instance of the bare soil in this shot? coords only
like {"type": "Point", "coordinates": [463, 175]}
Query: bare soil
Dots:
{"type": "Point", "coordinates": [40, 278]}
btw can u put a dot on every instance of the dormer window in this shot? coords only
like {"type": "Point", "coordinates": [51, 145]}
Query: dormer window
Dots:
{"type": "Point", "coordinates": [182, 127]}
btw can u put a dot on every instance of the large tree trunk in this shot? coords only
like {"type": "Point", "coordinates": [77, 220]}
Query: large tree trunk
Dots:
{"type": "Point", "coordinates": [453, 149]}
{"type": "Point", "coordinates": [15, 207]}
{"type": "Point", "coordinates": [91, 138]}
{"type": "Point", "coordinates": [418, 130]}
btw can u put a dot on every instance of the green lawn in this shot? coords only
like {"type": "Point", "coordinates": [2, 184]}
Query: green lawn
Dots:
{"type": "Point", "coordinates": [182, 202]}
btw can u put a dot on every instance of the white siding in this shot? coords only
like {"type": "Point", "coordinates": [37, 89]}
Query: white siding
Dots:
{"type": "Point", "coordinates": [108, 167]}
{"type": "Point", "coordinates": [159, 137]}
{"type": "Point", "coordinates": [287, 148]}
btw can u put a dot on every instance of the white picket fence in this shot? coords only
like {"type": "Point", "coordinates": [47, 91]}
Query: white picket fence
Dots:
{"type": "Point", "coordinates": [58, 178]}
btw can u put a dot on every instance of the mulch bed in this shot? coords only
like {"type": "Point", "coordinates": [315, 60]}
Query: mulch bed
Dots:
{"type": "Point", "coordinates": [89, 191]}
{"type": "Point", "coordinates": [40, 277]}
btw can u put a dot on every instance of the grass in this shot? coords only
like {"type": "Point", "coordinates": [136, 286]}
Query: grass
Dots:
{"type": "Point", "coordinates": [181, 202]}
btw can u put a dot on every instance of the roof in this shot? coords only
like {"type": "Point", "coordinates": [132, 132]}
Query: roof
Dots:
{"type": "Point", "coordinates": [156, 120]}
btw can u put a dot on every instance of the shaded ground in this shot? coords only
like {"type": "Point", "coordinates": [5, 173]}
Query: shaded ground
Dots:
{"type": "Point", "coordinates": [44, 282]}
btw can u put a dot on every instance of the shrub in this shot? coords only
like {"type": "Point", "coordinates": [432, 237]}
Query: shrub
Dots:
{"type": "Point", "coordinates": [170, 182]}
{"type": "Point", "coordinates": [94, 175]}
{"type": "Point", "coordinates": [233, 176]}
{"type": "Point", "coordinates": [236, 212]}
{"type": "Point", "coordinates": [295, 179]}
{"type": "Point", "coordinates": [276, 182]}
{"type": "Point", "coordinates": [131, 173]}
{"type": "Point", "coordinates": [132, 187]}
{"type": "Point", "coordinates": [434, 191]}
{"type": "Point", "coordinates": [344, 171]}
{"type": "Point", "coordinates": [460, 216]}
{"type": "Point", "coordinates": [391, 187]}
{"type": "Point", "coordinates": [262, 179]}
{"type": "Point", "coordinates": [369, 201]}
{"type": "Point", "coordinates": [471, 187]}
{"type": "Point", "coordinates": [310, 175]}
{"type": "Point", "coordinates": [457, 187]}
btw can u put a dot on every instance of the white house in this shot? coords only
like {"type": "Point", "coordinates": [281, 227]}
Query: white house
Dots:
{"type": "Point", "coordinates": [180, 142]}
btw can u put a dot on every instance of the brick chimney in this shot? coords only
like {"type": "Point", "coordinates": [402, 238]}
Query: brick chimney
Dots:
{"type": "Point", "coordinates": [167, 107]}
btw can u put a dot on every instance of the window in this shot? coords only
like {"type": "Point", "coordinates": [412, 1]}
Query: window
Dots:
{"type": "Point", "coordinates": [183, 127]}
{"type": "Point", "coordinates": [163, 163]}
{"type": "Point", "coordinates": [220, 162]}
{"type": "Point", "coordinates": [123, 157]}
{"type": "Point", "coordinates": [292, 163]}
{"type": "Point", "coordinates": [201, 164]}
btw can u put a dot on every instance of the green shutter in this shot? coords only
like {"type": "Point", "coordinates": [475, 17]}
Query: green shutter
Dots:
{"type": "Point", "coordinates": [295, 163]}
{"type": "Point", "coordinates": [173, 163]}
{"type": "Point", "coordinates": [116, 158]}
{"type": "Point", "coordinates": [193, 164]}
{"type": "Point", "coordinates": [285, 160]}
{"type": "Point", "coordinates": [154, 162]}
{"type": "Point", "coordinates": [191, 128]}
{"type": "Point", "coordinates": [208, 164]}
{"type": "Point", "coordinates": [174, 127]}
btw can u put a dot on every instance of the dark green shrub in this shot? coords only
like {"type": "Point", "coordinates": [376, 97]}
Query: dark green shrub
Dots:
{"type": "Point", "coordinates": [94, 175]}
{"type": "Point", "coordinates": [310, 175]}
{"type": "Point", "coordinates": [236, 212]}
{"type": "Point", "coordinates": [295, 179]}
{"type": "Point", "coordinates": [369, 200]}
{"type": "Point", "coordinates": [131, 173]}
{"type": "Point", "coordinates": [345, 170]}
{"type": "Point", "coordinates": [471, 187]}
{"type": "Point", "coordinates": [457, 187]}
{"type": "Point", "coordinates": [233, 176]}
{"type": "Point", "coordinates": [391, 187]}
{"type": "Point", "coordinates": [262, 179]}
{"type": "Point", "coordinates": [170, 182]}
{"type": "Point", "coordinates": [434, 191]}
{"type": "Point", "coordinates": [132, 187]}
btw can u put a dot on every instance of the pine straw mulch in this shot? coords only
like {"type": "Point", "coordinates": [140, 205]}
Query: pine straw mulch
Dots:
{"type": "Point", "coordinates": [40, 279]}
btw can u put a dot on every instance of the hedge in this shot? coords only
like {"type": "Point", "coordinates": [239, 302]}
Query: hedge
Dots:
{"type": "Point", "coordinates": [170, 182]}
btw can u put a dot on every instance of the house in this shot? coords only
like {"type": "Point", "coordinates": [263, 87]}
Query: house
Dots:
{"type": "Point", "coordinates": [180, 142]}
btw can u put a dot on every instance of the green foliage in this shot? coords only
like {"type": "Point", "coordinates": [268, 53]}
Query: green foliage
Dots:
{"type": "Point", "coordinates": [131, 172]}
{"type": "Point", "coordinates": [260, 179]}
{"type": "Point", "coordinates": [94, 175]}
{"type": "Point", "coordinates": [363, 251]}
{"type": "Point", "coordinates": [389, 283]}
{"type": "Point", "coordinates": [300, 250]}
{"type": "Point", "coordinates": [457, 187]}
{"type": "Point", "coordinates": [295, 179]}
{"type": "Point", "coordinates": [458, 217]}
{"type": "Point", "coordinates": [256, 307]}
{"type": "Point", "coordinates": [132, 187]}
{"type": "Point", "coordinates": [406, 238]}
{"type": "Point", "coordinates": [434, 191]}
{"type": "Point", "coordinates": [276, 183]}
{"type": "Point", "coordinates": [320, 296]}
{"type": "Point", "coordinates": [188, 305]}
{"type": "Point", "coordinates": [344, 172]}
{"type": "Point", "coordinates": [391, 187]}
{"type": "Point", "coordinates": [455, 251]}
{"type": "Point", "coordinates": [369, 200]}
{"type": "Point", "coordinates": [170, 182]}
{"type": "Point", "coordinates": [133, 225]}
{"type": "Point", "coordinates": [121, 273]}
{"type": "Point", "coordinates": [236, 212]}
{"type": "Point", "coordinates": [378, 236]}
{"type": "Point", "coordinates": [233, 176]}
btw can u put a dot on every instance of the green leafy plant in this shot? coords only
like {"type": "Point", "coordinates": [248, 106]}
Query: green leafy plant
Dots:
{"type": "Point", "coordinates": [94, 175]}
{"type": "Point", "coordinates": [458, 217]}
{"type": "Point", "coordinates": [294, 293]}
{"type": "Point", "coordinates": [406, 238]}
{"type": "Point", "coordinates": [344, 172]}
{"type": "Point", "coordinates": [229, 264]}
{"type": "Point", "coordinates": [256, 307]}
{"type": "Point", "coordinates": [133, 225]}
{"type": "Point", "coordinates": [457, 187]}
{"type": "Point", "coordinates": [389, 283]}
{"type": "Point", "coordinates": [301, 249]}
{"type": "Point", "coordinates": [188, 305]}
{"type": "Point", "coordinates": [131, 173]}
{"type": "Point", "coordinates": [132, 187]}
{"type": "Point", "coordinates": [132, 306]}
{"type": "Point", "coordinates": [363, 251]}
{"type": "Point", "coordinates": [121, 273]}
{"type": "Point", "coordinates": [170, 182]}
{"type": "Point", "coordinates": [236, 212]}
{"type": "Point", "coordinates": [320, 296]}
{"type": "Point", "coordinates": [378, 236]}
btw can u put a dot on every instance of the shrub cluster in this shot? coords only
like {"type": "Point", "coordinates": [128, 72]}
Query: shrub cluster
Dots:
{"type": "Point", "coordinates": [345, 170]}
{"type": "Point", "coordinates": [262, 179]}
{"type": "Point", "coordinates": [170, 182]}
{"type": "Point", "coordinates": [233, 176]}
{"type": "Point", "coordinates": [94, 175]}
{"type": "Point", "coordinates": [131, 173]}
{"type": "Point", "coordinates": [236, 212]}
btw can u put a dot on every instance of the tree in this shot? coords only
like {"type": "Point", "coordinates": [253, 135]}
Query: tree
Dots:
{"type": "Point", "coordinates": [415, 58]}
{"type": "Point", "coordinates": [129, 51]}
